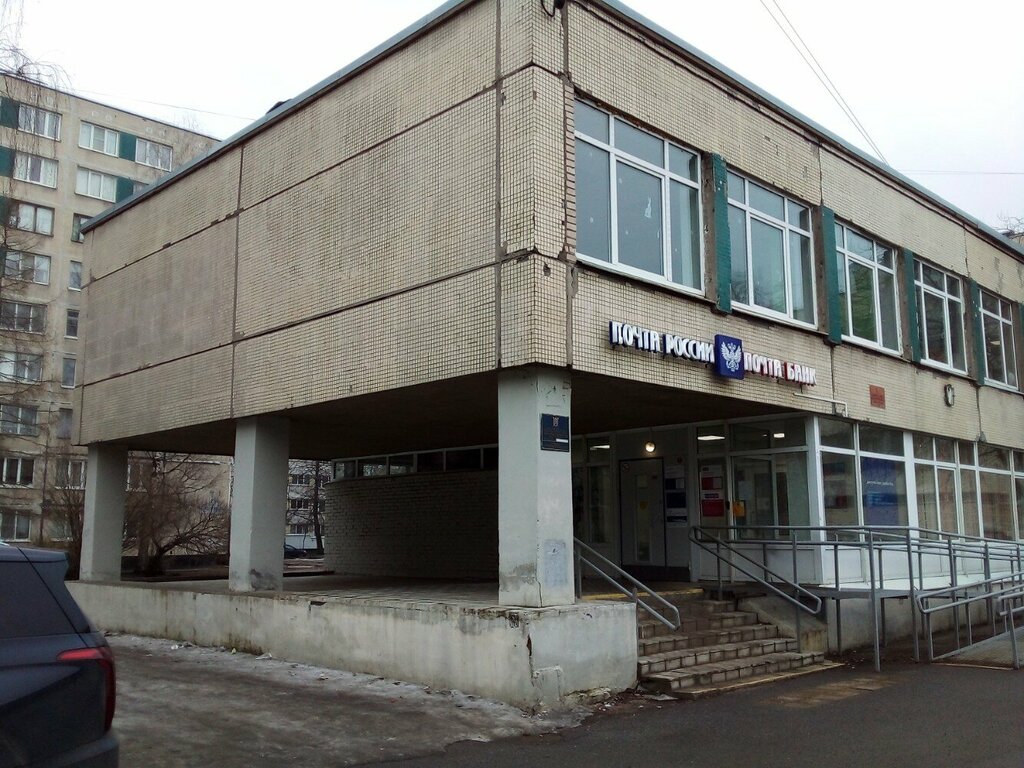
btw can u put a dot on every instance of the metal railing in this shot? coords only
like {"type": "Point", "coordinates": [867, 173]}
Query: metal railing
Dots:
{"type": "Point", "coordinates": [703, 539]}
{"type": "Point", "coordinates": [949, 557]}
{"type": "Point", "coordinates": [598, 564]}
{"type": "Point", "coordinates": [1006, 592]}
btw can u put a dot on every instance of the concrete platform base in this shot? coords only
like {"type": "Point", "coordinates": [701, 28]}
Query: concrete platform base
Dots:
{"type": "Point", "coordinates": [529, 657]}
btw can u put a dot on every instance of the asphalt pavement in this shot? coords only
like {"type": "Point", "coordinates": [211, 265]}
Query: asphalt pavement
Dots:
{"type": "Point", "coordinates": [183, 706]}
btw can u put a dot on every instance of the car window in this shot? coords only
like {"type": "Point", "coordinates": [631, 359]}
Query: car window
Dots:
{"type": "Point", "coordinates": [27, 609]}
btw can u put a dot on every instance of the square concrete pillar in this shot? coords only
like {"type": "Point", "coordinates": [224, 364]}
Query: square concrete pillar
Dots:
{"type": "Point", "coordinates": [259, 497]}
{"type": "Point", "coordinates": [106, 482]}
{"type": "Point", "coordinates": [535, 544]}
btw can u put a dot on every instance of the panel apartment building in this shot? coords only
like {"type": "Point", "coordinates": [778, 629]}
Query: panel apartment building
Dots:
{"type": "Point", "coordinates": [532, 271]}
{"type": "Point", "coordinates": [63, 160]}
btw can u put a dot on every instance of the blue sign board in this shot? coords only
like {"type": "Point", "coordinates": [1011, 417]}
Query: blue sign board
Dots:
{"type": "Point", "coordinates": [728, 356]}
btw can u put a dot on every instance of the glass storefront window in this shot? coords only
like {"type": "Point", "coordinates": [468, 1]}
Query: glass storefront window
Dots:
{"type": "Point", "coordinates": [996, 505]}
{"type": "Point", "coordinates": [839, 480]}
{"type": "Point", "coordinates": [836, 434]}
{"type": "Point", "coordinates": [969, 494]}
{"type": "Point", "coordinates": [966, 452]}
{"type": "Point", "coordinates": [711, 439]}
{"type": "Point", "coordinates": [923, 447]}
{"type": "Point", "coordinates": [927, 501]}
{"type": "Point", "coordinates": [992, 457]}
{"type": "Point", "coordinates": [883, 491]}
{"type": "Point", "coordinates": [947, 500]}
{"type": "Point", "coordinates": [945, 450]}
{"type": "Point", "coordinates": [881, 440]}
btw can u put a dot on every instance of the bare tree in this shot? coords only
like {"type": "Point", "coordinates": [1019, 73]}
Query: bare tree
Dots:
{"type": "Point", "coordinates": [1013, 227]}
{"type": "Point", "coordinates": [173, 505]}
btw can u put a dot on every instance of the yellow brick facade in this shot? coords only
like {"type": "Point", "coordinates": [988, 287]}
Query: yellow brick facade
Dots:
{"type": "Point", "coordinates": [416, 222]}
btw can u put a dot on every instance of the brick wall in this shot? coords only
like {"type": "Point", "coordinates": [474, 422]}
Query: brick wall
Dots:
{"type": "Point", "coordinates": [431, 525]}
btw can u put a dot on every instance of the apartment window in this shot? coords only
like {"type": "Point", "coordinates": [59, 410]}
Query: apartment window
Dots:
{"type": "Point", "coordinates": [14, 527]}
{"type": "Point", "coordinates": [64, 423]}
{"type": "Point", "coordinates": [941, 313]}
{"type": "Point", "coordinates": [71, 473]}
{"type": "Point", "coordinates": [20, 367]}
{"type": "Point", "coordinates": [20, 316]}
{"type": "Point", "coordinates": [299, 505]}
{"type": "Point", "coordinates": [298, 529]}
{"type": "Point", "coordinates": [76, 228]}
{"type": "Point", "coordinates": [98, 139]}
{"type": "Point", "coordinates": [35, 169]}
{"type": "Point", "coordinates": [300, 479]}
{"type": "Point", "coordinates": [770, 234]}
{"type": "Point", "coordinates": [1000, 359]}
{"type": "Point", "coordinates": [75, 276]}
{"type": "Point", "coordinates": [867, 288]}
{"type": "Point", "coordinates": [18, 420]}
{"type": "Point", "coordinates": [28, 267]}
{"type": "Point", "coordinates": [95, 184]}
{"type": "Point", "coordinates": [71, 324]}
{"type": "Point", "coordinates": [67, 376]}
{"type": "Point", "coordinates": [646, 223]}
{"type": "Point", "coordinates": [17, 471]}
{"type": "Point", "coordinates": [41, 122]}
{"type": "Point", "coordinates": [151, 153]}
{"type": "Point", "coordinates": [31, 218]}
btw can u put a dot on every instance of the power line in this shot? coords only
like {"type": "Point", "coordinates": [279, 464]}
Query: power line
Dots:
{"type": "Point", "coordinates": [819, 72]}
{"type": "Point", "coordinates": [163, 104]}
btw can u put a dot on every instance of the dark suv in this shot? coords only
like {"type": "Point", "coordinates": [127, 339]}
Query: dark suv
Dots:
{"type": "Point", "coordinates": [56, 671]}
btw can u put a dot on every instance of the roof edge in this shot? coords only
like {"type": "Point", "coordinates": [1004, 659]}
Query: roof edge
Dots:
{"type": "Point", "coordinates": [390, 45]}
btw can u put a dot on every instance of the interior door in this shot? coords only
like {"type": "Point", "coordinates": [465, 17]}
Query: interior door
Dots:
{"type": "Point", "coordinates": [642, 502]}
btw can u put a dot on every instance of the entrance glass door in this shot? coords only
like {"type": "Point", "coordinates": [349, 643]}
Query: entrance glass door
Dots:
{"type": "Point", "coordinates": [642, 498]}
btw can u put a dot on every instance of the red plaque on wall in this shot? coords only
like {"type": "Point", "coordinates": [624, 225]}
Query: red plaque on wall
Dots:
{"type": "Point", "coordinates": [877, 396]}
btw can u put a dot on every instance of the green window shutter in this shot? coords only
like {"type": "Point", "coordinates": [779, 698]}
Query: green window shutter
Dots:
{"type": "Point", "coordinates": [8, 112]}
{"type": "Point", "coordinates": [833, 306]}
{"type": "Point", "coordinates": [974, 315]}
{"type": "Point", "coordinates": [126, 147]}
{"type": "Point", "coordinates": [6, 162]}
{"type": "Point", "coordinates": [723, 249]}
{"type": "Point", "coordinates": [125, 188]}
{"type": "Point", "coordinates": [912, 309]}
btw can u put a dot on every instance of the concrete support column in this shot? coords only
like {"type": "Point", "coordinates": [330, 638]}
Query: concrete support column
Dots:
{"type": "Point", "coordinates": [106, 481]}
{"type": "Point", "coordinates": [258, 499]}
{"type": "Point", "coordinates": [535, 548]}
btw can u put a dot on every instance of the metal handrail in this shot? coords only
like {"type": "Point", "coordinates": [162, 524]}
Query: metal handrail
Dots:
{"type": "Point", "coordinates": [698, 531]}
{"type": "Point", "coordinates": [955, 597]}
{"type": "Point", "coordinates": [638, 585]}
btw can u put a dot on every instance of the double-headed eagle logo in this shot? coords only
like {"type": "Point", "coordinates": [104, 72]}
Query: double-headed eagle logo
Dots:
{"type": "Point", "coordinates": [732, 355]}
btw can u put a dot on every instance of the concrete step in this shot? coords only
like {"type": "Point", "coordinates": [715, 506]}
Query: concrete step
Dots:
{"type": "Point", "coordinates": [721, 620]}
{"type": "Point", "coordinates": [729, 671]}
{"type": "Point", "coordinates": [692, 607]}
{"type": "Point", "coordinates": [706, 637]}
{"type": "Point", "coordinates": [693, 657]}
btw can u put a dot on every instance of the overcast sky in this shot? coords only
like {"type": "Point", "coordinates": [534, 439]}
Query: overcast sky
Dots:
{"type": "Point", "coordinates": [938, 85]}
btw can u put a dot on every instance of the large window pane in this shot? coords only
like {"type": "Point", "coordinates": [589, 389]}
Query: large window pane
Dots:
{"type": "Point", "coordinates": [791, 491]}
{"type": "Point", "coordinates": [934, 322]}
{"type": "Point", "coordinates": [593, 202]}
{"type": "Point", "coordinates": [996, 505]}
{"type": "Point", "coordinates": [994, 349]}
{"type": "Point", "coordinates": [752, 492]}
{"type": "Point", "coordinates": [1019, 488]}
{"type": "Point", "coordinates": [738, 244]}
{"type": "Point", "coordinates": [639, 143]}
{"type": "Point", "coordinates": [839, 480]}
{"type": "Point", "coordinates": [884, 491]}
{"type": "Point", "coordinates": [600, 507]}
{"type": "Point", "coordinates": [862, 302]}
{"type": "Point", "coordinates": [927, 500]}
{"type": "Point", "coordinates": [801, 270]}
{"type": "Point", "coordinates": [639, 219]}
{"type": "Point", "coordinates": [766, 201]}
{"type": "Point", "coordinates": [947, 501]}
{"type": "Point", "coordinates": [838, 434]}
{"type": "Point", "coordinates": [685, 220]}
{"type": "Point", "coordinates": [592, 122]}
{"type": "Point", "coordinates": [969, 493]}
{"type": "Point", "coordinates": [768, 266]}
{"type": "Point", "coordinates": [881, 440]}
{"type": "Point", "coordinates": [887, 309]}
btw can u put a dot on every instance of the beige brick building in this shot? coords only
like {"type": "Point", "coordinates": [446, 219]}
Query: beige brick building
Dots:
{"type": "Point", "coordinates": [63, 160]}
{"type": "Point", "coordinates": [519, 216]}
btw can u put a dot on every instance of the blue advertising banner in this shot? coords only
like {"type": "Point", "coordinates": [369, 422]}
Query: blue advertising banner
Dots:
{"type": "Point", "coordinates": [880, 491]}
